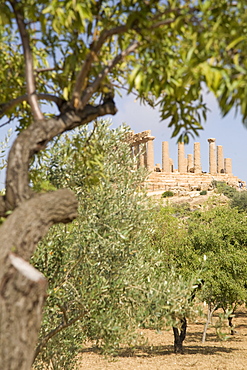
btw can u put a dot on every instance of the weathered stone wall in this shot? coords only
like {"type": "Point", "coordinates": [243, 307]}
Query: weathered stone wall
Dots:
{"type": "Point", "coordinates": [182, 183]}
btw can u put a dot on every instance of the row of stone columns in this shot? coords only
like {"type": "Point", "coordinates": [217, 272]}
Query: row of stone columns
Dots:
{"type": "Point", "coordinates": [143, 148]}
{"type": "Point", "coordinates": [189, 164]}
{"type": "Point", "coordinates": [217, 163]}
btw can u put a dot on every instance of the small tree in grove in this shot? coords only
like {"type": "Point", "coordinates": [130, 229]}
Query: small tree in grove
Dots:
{"type": "Point", "coordinates": [220, 234]}
{"type": "Point", "coordinates": [212, 242]}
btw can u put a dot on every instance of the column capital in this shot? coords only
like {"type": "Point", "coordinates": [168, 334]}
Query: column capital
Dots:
{"type": "Point", "coordinates": [149, 138]}
{"type": "Point", "coordinates": [211, 140]}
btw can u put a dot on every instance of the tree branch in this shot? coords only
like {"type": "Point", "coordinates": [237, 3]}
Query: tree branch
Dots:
{"type": "Point", "coordinates": [31, 90]}
{"type": "Point", "coordinates": [31, 221]}
{"type": "Point", "coordinates": [63, 309]}
{"type": "Point", "coordinates": [4, 107]}
{"type": "Point", "coordinates": [47, 69]}
{"type": "Point", "coordinates": [2, 206]}
{"type": "Point", "coordinates": [81, 79]}
{"type": "Point", "coordinates": [164, 22]}
{"type": "Point", "coordinates": [80, 83]}
{"type": "Point", "coordinates": [34, 139]}
{"type": "Point", "coordinates": [95, 85]}
{"type": "Point", "coordinates": [53, 332]}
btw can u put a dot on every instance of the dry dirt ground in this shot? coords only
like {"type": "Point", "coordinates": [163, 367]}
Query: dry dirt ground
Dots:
{"type": "Point", "coordinates": [158, 353]}
{"type": "Point", "coordinates": [193, 198]}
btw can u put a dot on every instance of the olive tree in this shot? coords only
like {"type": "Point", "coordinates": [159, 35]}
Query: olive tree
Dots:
{"type": "Point", "coordinates": [213, 242]}
{"type": "Point", "coordinates": [105, 278]}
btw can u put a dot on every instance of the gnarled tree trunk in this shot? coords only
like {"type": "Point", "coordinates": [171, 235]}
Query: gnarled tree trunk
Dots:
{"type": "Point", "coordinates": [22, 287]}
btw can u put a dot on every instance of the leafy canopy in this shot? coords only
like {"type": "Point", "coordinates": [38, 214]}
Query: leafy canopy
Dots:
{"type": "Point", "coordinates": [166, 52]}
{"type": "Point", "coordinates": [220, 235]}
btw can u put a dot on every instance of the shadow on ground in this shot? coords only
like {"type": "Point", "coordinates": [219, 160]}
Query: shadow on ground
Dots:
{"type": "Point", "coordinates": [153, 351]}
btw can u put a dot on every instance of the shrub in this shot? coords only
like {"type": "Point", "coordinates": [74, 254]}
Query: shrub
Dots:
{"type": "Point", "coordinates": [203, 192]}
{"type": "Point", "coordinates": [239, 201]}
{"type": "Point", "coordinates": [225, 189]}
{"type": "Point", "coordinates": [167, 194]}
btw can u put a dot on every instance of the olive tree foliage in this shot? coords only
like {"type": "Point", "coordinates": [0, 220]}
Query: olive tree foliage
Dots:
{"type": "Point", "coordinates": [75, 55]}
{"type": "Point", "coordinates": [105, 279]}
{"type": "Point", "coordinates": [221, 235]}
{"type": "Point", "coordinates": [213, 242]}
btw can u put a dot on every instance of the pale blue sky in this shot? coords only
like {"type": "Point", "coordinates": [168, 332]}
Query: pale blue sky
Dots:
{"type": "Point", "coordinates": [228, 132]}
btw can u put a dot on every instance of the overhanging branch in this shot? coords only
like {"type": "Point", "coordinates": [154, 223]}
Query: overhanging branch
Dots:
{"type": "Point", "coordinates": [5, 107]}
{"type": "Point", "coordinates": [34, 139]}
{"type": "Point", "coordinates": [80, 83]}
{"type": "Point", "coordinates": [96, 46]}
{"type": "Point", "coordinates": [98, 80]}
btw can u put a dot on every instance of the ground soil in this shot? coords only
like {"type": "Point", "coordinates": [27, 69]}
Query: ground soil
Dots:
{"type": "Point", "coordinates": [157, 354]}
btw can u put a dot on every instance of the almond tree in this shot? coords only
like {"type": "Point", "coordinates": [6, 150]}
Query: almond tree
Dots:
{"type": "Point", "coordinates": [75, 54]}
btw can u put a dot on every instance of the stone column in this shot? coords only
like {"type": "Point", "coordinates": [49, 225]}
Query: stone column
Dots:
{"type": "Point", "coordinates": [136, 153]}
{"type": "Point", "coordinates": [228, 166]}
{"type": "Point", "coordinates": [165, 157]}
{"type": "Point", "coordinates": [220, 159]}
{"type": "Point", "coordinates": [197, 158]}
{"type": "Point", "coordinates": [189, 163]}
{"type": "Point", "coordinates": [145, 156]}
{"type": "Point", "coordinates": [181, 159]}
{"type": "Point", "coordinates": [212, 157]}
{"type": "Point", "coordinates": [142, 155]}
{"type": "Point", "coordinates": [150, 153]}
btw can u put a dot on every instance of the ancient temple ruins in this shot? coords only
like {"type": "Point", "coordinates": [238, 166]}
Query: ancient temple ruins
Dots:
{"type": "Point", "coordinates": [189, 175]}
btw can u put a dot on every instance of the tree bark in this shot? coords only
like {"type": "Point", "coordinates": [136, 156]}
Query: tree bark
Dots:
{"type": "Point", "coordinates": [180, 337]}
{"type": "Point", "coordinates": [211, 310]}
{"type": "Point", "coordinates": [22, 294]}
{"type": "Point", "coordinates": [233, 332]}
{"type": "Point", "coordinates": [22, 287]}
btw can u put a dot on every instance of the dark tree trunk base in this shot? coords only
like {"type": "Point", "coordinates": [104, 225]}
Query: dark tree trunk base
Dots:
{"type": "Point", "coordinates": [231, 326]}
{"type": "Point", "coordinates": [180, 337]}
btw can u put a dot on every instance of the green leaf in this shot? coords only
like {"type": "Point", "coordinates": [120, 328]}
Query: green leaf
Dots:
{"type": "Point", "coordinates": [235, 42]}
